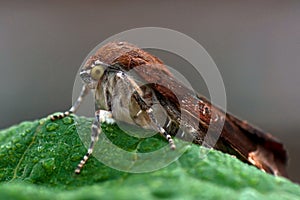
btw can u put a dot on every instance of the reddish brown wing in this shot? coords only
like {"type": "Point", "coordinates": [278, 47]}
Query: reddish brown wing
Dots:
{"type": "Point", "coordinates": [237, 137]}
{"type": "Point", "coordinates": [269, 154]}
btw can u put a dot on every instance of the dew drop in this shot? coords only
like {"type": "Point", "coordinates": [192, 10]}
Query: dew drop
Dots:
{"type": "Point", "coordinates": [8, 146]}
{"type": "Point", "coordinates": [42, 121]}
{"type": "Point", "coordinates": [52, 126]}
{"type": "Point", "coordinates": [49, 164]}
{"type": "Point", "coordinates": [15, 140]}
{"type": "Point", "coordinates": [18, 145]}
{"type": "Point", "coordinates": [67, 120]}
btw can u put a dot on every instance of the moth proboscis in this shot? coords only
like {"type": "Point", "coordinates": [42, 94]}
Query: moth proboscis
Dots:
{"type": "Point", "coordinates": [106, 72]}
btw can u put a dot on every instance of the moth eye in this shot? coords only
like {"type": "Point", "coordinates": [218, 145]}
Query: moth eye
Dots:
{"type": "Point", "coordinates": [97, 72]}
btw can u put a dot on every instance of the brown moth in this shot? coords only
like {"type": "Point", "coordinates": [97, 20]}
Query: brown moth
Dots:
{"type": "Point", "coordinates": [119, 97]}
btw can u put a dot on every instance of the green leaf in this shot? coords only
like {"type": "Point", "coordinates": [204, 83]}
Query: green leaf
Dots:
{"type": "Point", "coordinates": [38, 161]}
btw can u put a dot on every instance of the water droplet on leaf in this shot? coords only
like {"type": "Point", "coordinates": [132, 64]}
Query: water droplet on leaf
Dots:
{"type": "Point", "coordinates": [18, 145]}
{"type": "Point", "coordinates": [49, 164]}
{"type": "Point", "coordinates": [67, 120]}
{"type": "Point", "coordinates": [42, 121]}
{"type": "Point", "coordinates": [52, 126]}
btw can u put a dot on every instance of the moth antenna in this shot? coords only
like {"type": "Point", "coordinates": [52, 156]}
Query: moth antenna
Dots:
{"type": "Point", "coordinates": [84, 91]}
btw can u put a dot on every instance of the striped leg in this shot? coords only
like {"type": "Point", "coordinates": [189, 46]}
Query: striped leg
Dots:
{"type": "Point", "coordinates": [85, 90]}
{"type": "Point", "coordinates": [100, 117]}
{"type": "Point", "coordinates": [160, 129]}
{"type": "Point", "coordinates": [138, 96]}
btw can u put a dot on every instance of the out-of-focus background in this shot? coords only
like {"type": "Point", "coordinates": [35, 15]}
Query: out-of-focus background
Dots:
{"type": "Point", "coordinates": [255, 44]}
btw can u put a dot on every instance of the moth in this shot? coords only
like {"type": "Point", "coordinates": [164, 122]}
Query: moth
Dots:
{"type": "Point", "coordinates": [118, 96]}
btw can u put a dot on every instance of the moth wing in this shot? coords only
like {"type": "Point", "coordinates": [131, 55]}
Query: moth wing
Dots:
{"type": "Point", "coordinates": [237, 137]}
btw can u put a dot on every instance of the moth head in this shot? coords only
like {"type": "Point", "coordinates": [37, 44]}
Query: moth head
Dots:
{"type": "Point", "coordinates": [91, 74]}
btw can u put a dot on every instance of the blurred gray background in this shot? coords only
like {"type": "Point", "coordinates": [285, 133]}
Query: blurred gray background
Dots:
{"type": "Point", "coordinates": [256, 46]}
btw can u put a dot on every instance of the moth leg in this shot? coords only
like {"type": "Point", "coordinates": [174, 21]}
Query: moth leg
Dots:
{"type": "Point", "coordinates": [100, 117]}
{"type": "Point", "coordinates": [144, 107]}
{"type": "Point", "coordinates": [84, 91]}
{"type": "Point", "coordinates": [160, 129]}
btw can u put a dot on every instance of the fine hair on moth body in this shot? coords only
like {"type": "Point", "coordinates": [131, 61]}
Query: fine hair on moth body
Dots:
{"type": "Point", "coordinates": [119, 97]}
